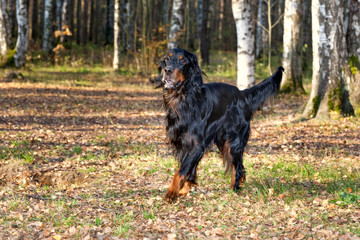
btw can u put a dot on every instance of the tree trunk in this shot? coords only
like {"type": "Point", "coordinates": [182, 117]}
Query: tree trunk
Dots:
{"type": "Point", "coordinates": [128, 20]}
{"type": "Point", "coordinates": [78, 21]}
{"type": "Point", "coordinates": [191, 25]}
{"type": "Point", "coordinates": [84, 27]}
{"type": "Point", "coordinates": [65, 18]}
{"type": "Point", "coordinates": [293, 44]}
{"type": "Point", "coordinates": [229, 29]}
{"type": "Point", "coordinates": [97, 25]}
{"type": "Point", "coordinates": [3, 32]}
{"type": "Point", "coordinates": [204, 38]}
{"type": "Point", "coordinates": [59, 4]}
{"type": "Point", "coordinates": [92, 21]}
{"type": "Point", "coordinates": [353, 29]}
{"type": "Point", "coordinates": [165, 12]}
{"type": "Point", "coordinates": [117, 35]}
{"type": "Point", "coordinates": [177, 23]}
{"type": "Point", "coordinates": [353, 47]}
{"type": "Point", "coordinates": [34, 20]}
{"type": "Point", "coordinates": [109, 28]}
{"type": "Point", "coordinates": [245, 43]}
{"type": "Point", "coordinates": [330, 64]}
{"type": "Point", "coordinates": [48, 33]}
{"type": "Point", "coordinates": [199, 18]}
{"type": "Point", "coordinates": [23, 32]}
{"type": "Point", "coordinates": [12, 20]}
{"type": "Point", "coordinates": [71, 21]}
{"type": "Point", "coordinates": [261, 34]}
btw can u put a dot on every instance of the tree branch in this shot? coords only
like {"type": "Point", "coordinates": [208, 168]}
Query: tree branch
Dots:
{"type": "Point", "coordinates": [262, 26]}
{"type": "Point", "coordinates": [277, 21]}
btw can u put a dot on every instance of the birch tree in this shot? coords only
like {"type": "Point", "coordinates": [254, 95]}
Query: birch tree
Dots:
{"type": "Point", "coordinates": [23, 32]}
{"type": "Point", "coordinates": [293, 43]}
{"type": "Point", "coordinates": [65, 18]}
{"type": "Point", "coordinates": [177, 23]}
{"type": "Point", "coordinates": [48, 31]}
{"type": "Point", "coordinates": [330, 60]}
{"type": "Point", "coordinates": [117, 35]}
{"type": "Point", "coordinates": [353, 29]}
{"type": "Point", "coordinates": [3, 32]}
{"type": "Point", "coordinates": [353, 47]}
{"type": "Point", "coordinates": [245, 43]}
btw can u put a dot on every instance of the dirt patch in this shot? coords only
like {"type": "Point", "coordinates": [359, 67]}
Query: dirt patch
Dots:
{"type": "Point", "coordinates": [19, 173]}
{"type": "Point", "coordinates": [14, 172]}
{"type": "Point", "coordinates": [59, 178]}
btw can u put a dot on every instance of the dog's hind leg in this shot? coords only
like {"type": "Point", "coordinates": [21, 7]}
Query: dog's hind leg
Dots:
{"type": "Point", "coordinates": [238, 174]}
{"type": "Point", "coordinates": [237, 147]}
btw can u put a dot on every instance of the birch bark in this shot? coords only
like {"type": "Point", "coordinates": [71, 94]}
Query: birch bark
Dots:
{"type": "Point", "coordinates": [293, 43]}
{"type": "Point", "coordinates": [177, 23]}
{"type": "Point", "coordinates": [48, 25]}
{"type": "Point", "coordinates": [23, 32]}
{"type": "Point", "coordinates": [329, 58]}
{"type": "Point", "coordinates": [245, 43]}
{"type": "Point", "coordinates": [117, 35]}
{"type": "Point", "coordinates": [3, 32]}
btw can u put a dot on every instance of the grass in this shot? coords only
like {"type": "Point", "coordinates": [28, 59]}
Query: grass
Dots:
{"type": "Point", "coordinates": [100, 137]}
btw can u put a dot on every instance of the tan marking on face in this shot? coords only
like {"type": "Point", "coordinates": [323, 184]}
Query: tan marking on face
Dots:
{"type": "Point", "coordinates": [180, 57]}
{"type": "Point", "coordinates": [170, 54]}
{"type": "Point", "coordinates": [179, 76]}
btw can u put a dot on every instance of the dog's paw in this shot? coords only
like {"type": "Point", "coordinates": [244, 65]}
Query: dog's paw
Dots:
{"type": "Point", "coordinates": [185, 189]}
{"type": "Point", "coordinates": [171, 196]}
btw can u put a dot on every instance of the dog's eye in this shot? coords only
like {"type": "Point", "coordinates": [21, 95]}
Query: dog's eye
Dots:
{"type": "Point", "coordinates": [182, 60]}
{"type": "Point", "coordinates": [166, 59]}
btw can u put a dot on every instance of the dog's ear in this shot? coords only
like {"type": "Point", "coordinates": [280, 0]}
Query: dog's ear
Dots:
{"type": "Point", "coordinates": [162, 64]}
{"type": "Point", "coordinates": [195, 71]}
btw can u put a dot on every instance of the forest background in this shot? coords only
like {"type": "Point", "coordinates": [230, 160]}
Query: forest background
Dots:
{"type": "Point", "coordinates": [83, 152]}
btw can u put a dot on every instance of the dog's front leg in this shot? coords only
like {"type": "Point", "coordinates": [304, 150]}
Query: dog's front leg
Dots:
{"type": "Point", "coordinates": [181, 184]}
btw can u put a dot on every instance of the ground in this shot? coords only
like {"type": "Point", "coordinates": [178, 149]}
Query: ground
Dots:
{"type": "Point", "coordinates": [83, 155]}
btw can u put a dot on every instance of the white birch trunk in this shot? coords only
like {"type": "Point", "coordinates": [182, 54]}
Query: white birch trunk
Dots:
{"type": "Point", "coordinates": [177, 23]}
{"type": "Point", "coordinates": [48, 25]}
{"type": "Point", "coordinates": [287, 38]}
{"type": "Point", "coordinates": [117, 35]}
{"type": "Point", "coordinates": [23, 32]}
{"type": "Point", "coordinates": [3, 32]}
{"type": "Point", "coordinates": [293, 43]}
{"type": "Point", "coordinates": [245, 43]}
{"type": "Point", "coordinates": [65, 18]}
{"type": "Point", "coordinates": [329, 53]}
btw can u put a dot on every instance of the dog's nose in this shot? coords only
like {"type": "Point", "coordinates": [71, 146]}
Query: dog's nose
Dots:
{"type": "Point", "coordinates": [168, 70]}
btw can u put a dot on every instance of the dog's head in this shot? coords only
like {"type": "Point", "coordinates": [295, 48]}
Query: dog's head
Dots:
{"type": "Point", "coordinates": [178, 68]}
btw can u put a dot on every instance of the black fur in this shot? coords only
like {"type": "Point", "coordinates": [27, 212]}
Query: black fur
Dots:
{"type": "Point", "coordinates": [199, 114]}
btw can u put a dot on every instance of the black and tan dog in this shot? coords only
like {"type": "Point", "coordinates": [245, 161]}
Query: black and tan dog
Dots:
{"type": "Point", "coordinates": [199, 114]}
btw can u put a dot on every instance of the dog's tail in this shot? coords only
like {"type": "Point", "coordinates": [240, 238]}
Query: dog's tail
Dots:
{"type": "Point", "coordinates": [259, 93]}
